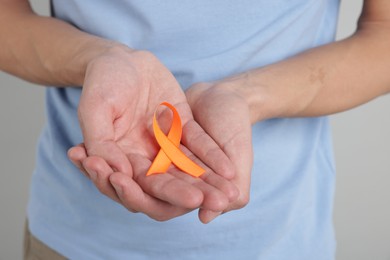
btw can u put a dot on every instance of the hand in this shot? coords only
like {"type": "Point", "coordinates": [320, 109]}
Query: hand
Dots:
{"type": "Point", "coordinates": [120, 94]}
{"type": "Point", "coordinates": [224, 114]}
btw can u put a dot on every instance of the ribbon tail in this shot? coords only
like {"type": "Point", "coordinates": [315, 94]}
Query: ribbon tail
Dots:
{"type": "Point", "coordinates": [177, 157]}
{"type": "Point", "coordinates": [160, 164]}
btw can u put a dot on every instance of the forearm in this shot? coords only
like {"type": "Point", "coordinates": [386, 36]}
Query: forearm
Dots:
{"type": "Point", "coordinates": [321, 81]}
{"type": "Point", "coordinates": [327, 79]}
{"type": "Point", "coordinates": [44, 50]}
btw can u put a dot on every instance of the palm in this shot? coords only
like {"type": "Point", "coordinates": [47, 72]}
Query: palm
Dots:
{"type": "Point", "coordinates": [225, 117]}
{"type": "Point", "coordinates": [139, 145]}
{"type": "Point", "coordinates": [116, 113]}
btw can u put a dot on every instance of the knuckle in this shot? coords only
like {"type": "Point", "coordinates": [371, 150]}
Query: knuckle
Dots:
{"type": "Point", "coordinates": [194, 202]}
{"type": "Point", "coordinates": [242, 201]}
{"type": "Point", "coordinates": [221, 205]}
{"type": "Point", "coordinates": [232, 193]}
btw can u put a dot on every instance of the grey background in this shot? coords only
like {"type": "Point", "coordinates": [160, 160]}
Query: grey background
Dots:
{"type": "Point", "coordinates": [362, 149]}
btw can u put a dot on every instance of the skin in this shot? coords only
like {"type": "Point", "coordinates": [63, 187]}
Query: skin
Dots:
{"type": "Point", "coordinates": [321, 81]}
{"type": "Point", "coordinates": [125, 146]}
{"type": "Point", "coordinates": [60, 55]}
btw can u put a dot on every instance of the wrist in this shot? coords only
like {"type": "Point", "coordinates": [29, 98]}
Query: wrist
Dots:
{"type": "Point", "coordinates": [255, 93]}
{"type": "Point", "coordinates": [86, 55]}
{"type": "Point", "coordinates": [279, 90]}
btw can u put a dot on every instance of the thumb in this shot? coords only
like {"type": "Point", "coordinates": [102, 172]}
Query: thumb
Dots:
{"type": "Point", "coordinates": [97, 124]}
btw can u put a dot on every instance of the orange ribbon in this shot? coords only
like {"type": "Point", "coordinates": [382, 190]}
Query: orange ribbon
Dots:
{"type": "Point", "coordinates": [170, 152]}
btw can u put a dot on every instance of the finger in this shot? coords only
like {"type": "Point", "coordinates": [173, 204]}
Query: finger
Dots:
{"type": "Point", "coordinates": [207, 150]}
{"type": "Point", "coordinates": [206, 216]}
{"type": "Point", "coordinates": [77, 154]}
{"type": "Point", "coordinates": [213, 191]}
{"type": "Point", "coordinates": [133, 197]}
{"type": "Point", "coordinates": [165, 186]}
{"type": "Point", "coordinates": [99, 172]}
{"type": "Point", "coordinates": [213, 198]}
{"type": "Point", "coordinates": [183, 190]}
{"type": "Point", "coordinates": [211, 178]}
{"type": "Point", "coordinates": [112, 154]}
{"type": "Point", "coordinates": [97, 117]}
{"type": "Point", "coordinates": [243, 160]}
{"type": "Point", "coordinates": [238, 147]}
{"type": "Point", "coordinates": [221, 184]}
{"type": "Point", "coordinates": [241, 202]}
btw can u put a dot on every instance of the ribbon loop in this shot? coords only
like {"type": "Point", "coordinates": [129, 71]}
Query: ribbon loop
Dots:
{"type": "Point", "coordinates": [170, 152]}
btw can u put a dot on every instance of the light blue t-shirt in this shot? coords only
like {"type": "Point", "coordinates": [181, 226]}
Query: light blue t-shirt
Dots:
{"type": "Point", "coordinates": [290, 212]}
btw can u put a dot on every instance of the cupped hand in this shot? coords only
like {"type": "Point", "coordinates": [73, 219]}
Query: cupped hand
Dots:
{"type": "Point", "coordinates": [121, 91]}
{"type": "Point", "coordinates": [223, 113]}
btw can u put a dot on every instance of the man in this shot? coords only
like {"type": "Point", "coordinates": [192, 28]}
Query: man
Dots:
{"type": "Point", "coordinates": [258, 76]}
